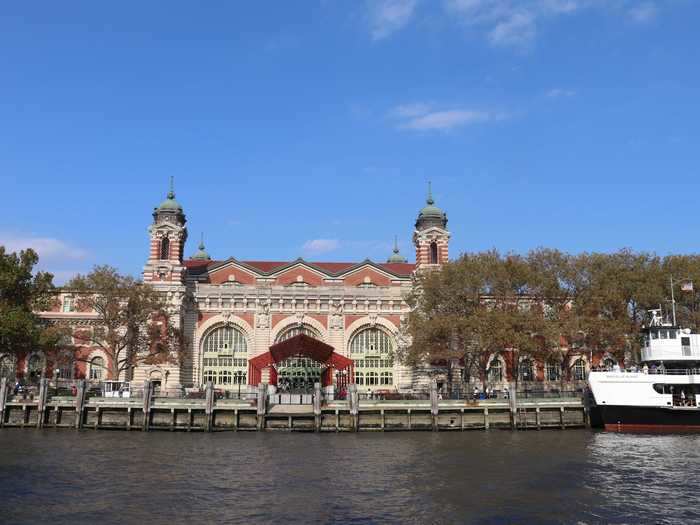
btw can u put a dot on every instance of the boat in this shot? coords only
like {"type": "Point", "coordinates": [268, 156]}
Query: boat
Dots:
{"type": "Point", "coordinates": [660, 394]}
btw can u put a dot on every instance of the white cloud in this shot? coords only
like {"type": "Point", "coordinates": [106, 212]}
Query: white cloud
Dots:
{"type": "Point", "coordinates": [48, 248]}
{"type": "Point", "coordinates": [643, 13]}
{"type": "Point", "coordinates": [517, 30]}
{"type": "Point", "coordinates": [445, 120]}
{"type": "Point", "coordinates": [559, 93]}
{"type": "Point", "coordinates": [317, 246]}
{"type": "Point", "coordinates": [388, 16]}
{"type": "Point", "coordinates": [423, 117]}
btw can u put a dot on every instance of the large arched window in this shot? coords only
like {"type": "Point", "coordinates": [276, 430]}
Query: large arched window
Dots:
{"type": "Point", "coordinates": [97, 366]}
{"type": "Point", "coordinates": [165, 249]}
{"type": "Point", "coordinates": [296, 330]}
{"type": "Point", "coordinates": [225, 357]}
{"type": "Point", "coordinates": [64, 365]}
{"type": "Point", "coordinates": [7, 367]}
{"type": "Point", "coordinates": [495, 371]}
{"type": "Point", "coordinates": [578, 371]}
{"type": "Point", "coordinates": [372, 350]}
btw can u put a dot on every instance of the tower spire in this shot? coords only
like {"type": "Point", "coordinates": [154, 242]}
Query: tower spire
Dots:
{"type": "Point", "coordinates": [201, 241]}
{"type": "Point", "coordinates": [396, 244]}
{"type": "Point", "coordinates": [430, 200]}
{"type": "Point", "coordinates": [171, 193]}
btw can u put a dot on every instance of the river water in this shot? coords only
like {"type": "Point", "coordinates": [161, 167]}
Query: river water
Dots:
{"type": "Point", "coordinates": [573, 476]}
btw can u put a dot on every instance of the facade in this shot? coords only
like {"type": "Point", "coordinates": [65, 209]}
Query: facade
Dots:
{"type": "Point", "coordinates": [232, 312]}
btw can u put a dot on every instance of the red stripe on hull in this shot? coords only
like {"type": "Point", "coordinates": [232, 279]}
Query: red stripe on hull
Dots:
{"type": "Point", "coordinates": [620, 427]}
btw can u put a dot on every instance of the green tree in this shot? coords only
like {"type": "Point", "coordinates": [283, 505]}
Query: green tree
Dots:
{"type": "Point", "coordinates": [22, 293]}
{"type": "Point", "coordinates": [132, 321]}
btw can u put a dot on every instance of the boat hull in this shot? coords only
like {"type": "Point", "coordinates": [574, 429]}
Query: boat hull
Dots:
{"type": "Point", "coordinates": [639, 418]}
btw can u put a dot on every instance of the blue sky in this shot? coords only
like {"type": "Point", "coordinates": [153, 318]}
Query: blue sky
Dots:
{"type": "Point", "coordinates": [311, 128]}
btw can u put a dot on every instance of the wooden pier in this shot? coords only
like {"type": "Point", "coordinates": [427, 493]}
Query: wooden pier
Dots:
{"type": "Point", "coordinates": [149, 413]}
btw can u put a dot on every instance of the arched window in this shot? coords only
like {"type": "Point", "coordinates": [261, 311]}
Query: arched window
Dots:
{"type": "Point", "coordinates": [433, 253]}
{"type": "Point", "coordinates": [495, 371]}
{"type": "Point", "coordinates": [97, 365]}
{"type": "Point", "coordinates": [553, 370]}
{"type": "Point", "coordinates": [225, 357]}
{"type": "Point", "coordinates": [165, 249]}
{"type": "Point", "coordinates": [35, 367]}
{"type": "Point", "coordinates": [372, 350]}
{"type": "Point", "coordinates": [371, 341]}
{"type": "Point", "coordinates": [296, 330]}
{"type": "Point", "coordinates": [526, 370]}
{"type": "Point", "coordinates": [578, 371]}
{"type": "Point", "coordinates": [64, 365]}
{"type": "Point", "coordinates": [7, 367]}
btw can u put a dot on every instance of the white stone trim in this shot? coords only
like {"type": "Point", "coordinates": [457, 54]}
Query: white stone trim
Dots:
{"type": "Point", "coordinates": [293, 320]}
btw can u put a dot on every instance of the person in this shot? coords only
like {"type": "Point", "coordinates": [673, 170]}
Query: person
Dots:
{"type": "Point", "coordinates": [506, 393]}
{"type": "Point", "coordinates": [476, 393]}
{"type": "Point", "coordinates": [645, 369]}
{"type": "Point", "coordinates": [682, 397]}
{"type": "Point", "coordinates": [488, 393]}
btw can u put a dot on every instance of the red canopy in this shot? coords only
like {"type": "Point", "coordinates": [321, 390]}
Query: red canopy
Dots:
{"type": "Point", "coordinates": [300, 345]}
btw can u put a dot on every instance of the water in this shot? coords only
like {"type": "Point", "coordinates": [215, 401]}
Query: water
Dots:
{"type": "Point", "coordinates": [55, 476]}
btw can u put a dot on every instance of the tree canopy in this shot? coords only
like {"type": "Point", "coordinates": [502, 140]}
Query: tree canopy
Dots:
{"type": "Point", "coordinates": [22, 293]}
{"type": "Point", "coordinates": [133, 325]}
{"type": "Point", "coordinates": [545, 304]}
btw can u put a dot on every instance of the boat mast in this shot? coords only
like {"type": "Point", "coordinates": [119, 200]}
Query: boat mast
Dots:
{"type": "Point", "coordinates": [673, 303]}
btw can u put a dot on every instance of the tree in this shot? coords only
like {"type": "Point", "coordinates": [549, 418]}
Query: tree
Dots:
{"type": "Point", "coordinates": [21, 294]}
{"type": "Point", "coordinates": [132, 324]}
{"type": "Point", "coordinates": [479, 307]}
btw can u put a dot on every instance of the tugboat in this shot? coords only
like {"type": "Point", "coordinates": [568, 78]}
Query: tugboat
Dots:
{"type": "Point", "coordinates": [661, 395]}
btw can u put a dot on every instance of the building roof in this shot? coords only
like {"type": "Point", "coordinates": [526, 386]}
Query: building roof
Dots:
{"type": "Point", "coordinates": [331, 269]}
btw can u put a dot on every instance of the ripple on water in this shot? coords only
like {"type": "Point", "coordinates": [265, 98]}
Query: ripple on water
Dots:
{"type": "Point", "coordinates": [471, 477]}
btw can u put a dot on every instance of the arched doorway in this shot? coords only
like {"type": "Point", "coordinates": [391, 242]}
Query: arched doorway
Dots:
{"type": "Point", "coordinates": [300, 361]}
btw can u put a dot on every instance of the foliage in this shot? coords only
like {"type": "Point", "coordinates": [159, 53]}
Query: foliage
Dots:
{"type": "Point", "coordinates": [544, 305]}
{"type": "Point", "coordinates": [21, 294]}
{"type": "Point", "coordinates": [132, 321]}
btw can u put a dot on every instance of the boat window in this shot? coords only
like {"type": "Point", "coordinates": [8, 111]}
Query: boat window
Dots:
{"type": "Point", "coordinates": [685, 341]}
{"type": "Point", "coordinates": [663, 334]}
{"type": "Point", "coordinates": [659, 388]}
{"type": "Point", "coordinates": [654, 334]}
{"type": "Point", "coordinates": [672, 334]}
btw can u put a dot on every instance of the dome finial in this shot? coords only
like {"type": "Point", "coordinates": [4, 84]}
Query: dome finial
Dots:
{"type": "Point", "coordinates": [202, 254]}
{"type": "Point", "coordinates": [396, 257]}
{"type": "Point", "coordinates": [171, 193]}
{"type": "Point", "coordinates": [430, 200]}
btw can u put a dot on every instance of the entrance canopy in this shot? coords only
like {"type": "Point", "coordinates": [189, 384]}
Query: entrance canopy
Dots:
{"type": "Point", "coordinates": [302, 345]}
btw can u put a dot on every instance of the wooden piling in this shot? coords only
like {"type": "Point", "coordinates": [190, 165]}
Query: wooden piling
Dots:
{"type": "Point", "coordinates": [147, 391]}
{"type": "Point", "coordinates": [434, 407]}
{"type": "Point", "coordinates": [209, 407]}
{"type": "Point", "coordinates": [80, 395]}
{"type": "Point", "coordinates": [317, 406]}
{"type": "Point", "coordinates": [3, 400]}
{"type": "Point", "coordinates": [262, 405]}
